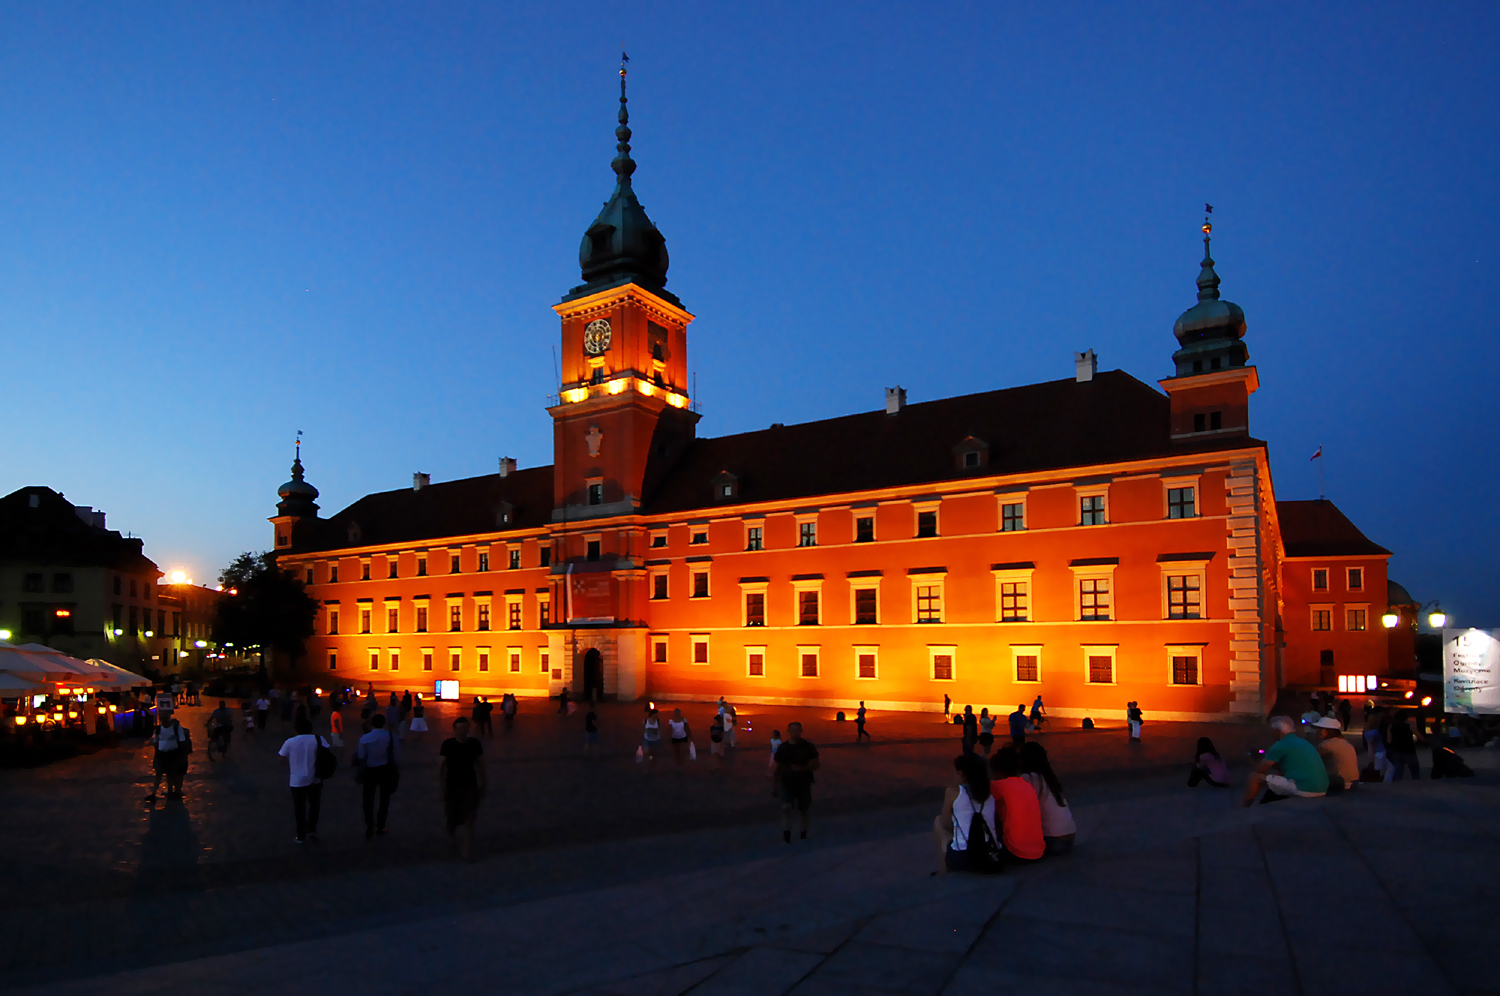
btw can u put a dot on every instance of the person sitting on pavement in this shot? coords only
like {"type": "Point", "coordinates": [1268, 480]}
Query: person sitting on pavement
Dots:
{"type": "Point", "coordinates": [1302, 772]}
{"type": "Point", "coordinates": [956, 827]}
{"type": "Point", "coordinates": [1058, 828]}
{"type": "Point", "coordinates": [1017, 811]}
{"type": "Point", "coordinates": [1208, 766]}
{"type": "Point", "coordinates": [1339, 758]}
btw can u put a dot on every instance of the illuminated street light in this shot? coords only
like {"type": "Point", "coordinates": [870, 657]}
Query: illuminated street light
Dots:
{"type": "Point", "coordinates": [150, 632]}
{"type": "Point", "coordinates": [200, 644]}
{"type": "Point", "coordinates": [1390, 620]}
{"type": "Point", "coordinates": [119, 632]}
{"type": "Point", "coordinates": [5, 634]}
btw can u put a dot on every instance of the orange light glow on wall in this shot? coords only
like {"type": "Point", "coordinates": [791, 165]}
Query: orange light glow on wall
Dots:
{"type": "Point", "coordinates": [62, 613]}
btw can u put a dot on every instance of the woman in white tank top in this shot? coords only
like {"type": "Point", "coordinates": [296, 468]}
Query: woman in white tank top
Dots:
{"type": "Point", "coordinates": [680, 734]}
{"type": "Point", "coordinates": [651, 734]}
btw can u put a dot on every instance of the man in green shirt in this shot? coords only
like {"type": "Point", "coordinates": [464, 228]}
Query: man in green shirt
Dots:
{"type": "Point", "coordinates": [1301, 768]}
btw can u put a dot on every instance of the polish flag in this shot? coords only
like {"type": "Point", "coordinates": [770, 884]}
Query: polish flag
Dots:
{"type": "Point", "coordinates": [1317, 454]}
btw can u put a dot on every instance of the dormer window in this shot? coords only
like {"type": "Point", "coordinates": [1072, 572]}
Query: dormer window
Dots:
{"type": "Point", "coordinates": [971, 459]}
{"type": "Point", "coordinates": [726, 486]}
{"type": "Point", "coordinates": [971, 453]}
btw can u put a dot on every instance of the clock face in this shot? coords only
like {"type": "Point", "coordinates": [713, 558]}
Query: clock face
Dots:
{"type": "Point", "coordinates": [596, 336]}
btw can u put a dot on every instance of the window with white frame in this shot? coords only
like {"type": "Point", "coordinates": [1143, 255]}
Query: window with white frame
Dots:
{"type": "Point", "coordinates": [1099, 665]}
{"type": "Point", "coordinates": [809, 596]}
{"type": "Point", "coordinates": [483, 653]}
{"type": "Point", "coordinates": [482, 616]}
{"type": "Point", "coordinates": [426, 658]}
{"type": "Point", "coordinates": [658, 539]}
{"type": "Point", "coordinates": [365, 616]}
{"type": "Point", "coordinates": [867, 663]}
{"type": "Point", "coordinates": [927, 598]}
{"type": "Point", "coordinates": [514, 653]}
{"type": "Point", "coordinates": [1183, 580]}
{"type": "Point", "coordinates": [755, 537]}
{"type": "Point", "coordinates": [700, 583]}
{"type": "Point", "coordinates": [864, 528]}
{"type": "Point", "coordinates": [865, 598]}
{"type": "Point", "coordinates": [1027, 663]}
{"type": "Point", "coordinates": [927, 520]}
{"type": "Point", "coordinates": [1093, 507]}
{"type": "Point", "coordinates": [333, 660]}
{"type": "Point", "coordinates": [393, 658]}
{"type": "Point", "coordinates": [1185, 664]}
{"type": "Point", "coordinates": [1320, 579]}
{"type": "Point", "coordinates": [807, 662]}
{"type": "Point", "coordinates": [333, 622]}
{"type": "Point", "coordinates": [374, 660]}
{"type": "Point", "coordinates": [1093, 598]}
{"type": "Point", "coordinates": [755, 662]}
{"type": "Point", "coordinates": [700, 648]}
{"type": "Point", "coordinates": [455, 658]}
{"type": "Point", "coordinates": [1013, 591]}
{"type": "Point", "coordinates": [1355, 577]}
{"type": "Point", "coordinates": [658, 650]}
{"type": "Point", "coordinates": [455, 617]}
{"type": "Point", "coordinates": [1355, 618]}
{"type": "Point", "coordinates": [699, 536]}
{"type": "Point", "coordinates": [513, 613]}
{"type": "Point", "coordinates": [1321, 617]}
{"type": "Point", "coordinates": [659, 585]}
{"type": "Point", "coordinates": [807, 531]}
{"type": "Point", "coordinates": [1012, 516]}
{"type": "Point", "coordinates": [392, 617]}
{"type": "Point", "coordinates": [942, 660]}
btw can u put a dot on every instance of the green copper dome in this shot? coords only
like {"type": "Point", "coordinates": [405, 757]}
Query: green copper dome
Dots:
{"type": "Point", "coordinates": [297, 496]}
{"type": "Point", "coordinates": [1210, 331]}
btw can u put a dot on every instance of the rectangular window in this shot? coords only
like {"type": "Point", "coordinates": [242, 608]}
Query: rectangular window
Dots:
{"type": "Point", "coordinates": [454, 657]}
{"type": "Point", "coordinates": [364, 570]}
{"type": "Point", "coordinates": [1028, 667]}
{"type": "Point", "coordinates": [1354, 620]}
{"type": "Point", "coordinates": [421, 567]}
{"type": "Point", "coordinates": [659, 586]}
{"type": "Point", "coordinates": [1356, 578]}
{"type": "Point", "coordinates": [309, 578]}
{"type": "Point", "coordinates": [1180, 503]}
{"type": "Point", "coordinates": [64, 583]}
{"type": "Point", "coordinates": [942, 666]}
{"type": "Point", "coordinates": [700, 537]}
{"type": "Point", "coordinates": [455, 618]}
{"type": "Point", "coordinates": [866, 606]}
{"type": "Point", "coordinates": [421, 619]}
{"type": "Point", "coordinates": [333, 575]}
{"type": "Point", "coordinates": [392, 620]}
{"type": "Point", "coordinates": [659, 650]}
{"type": "Point", "coordinates": [807, 534]}
{"type": "Point", "coordinates": [807, 608]}
{"type": "Point", "coordinates": [1322, 620]}
{"type": "Point", "coordinates": [755, 608]}
{"type": "Point", "coordinates": [1091, 510]}
{"type": "Point", "coordinates": [864, 662]}
{"type": "Point", "coordinates": [515, 662]}
{"type": "Point", "coordinates": [864, 529]}
{"type": "Point", "coordinates": [591, 551]}
{"type": "Point", "coordinates": [1101, 669]}
{"type": "Point", "coordinates": [809, 663]}
{"type": "Point", "coordinates": [929, 603]}
{"type": "Point", "coordinates": [484, 659]}
{"type": "Point", "coordinates": [546, 554]}
{"type": "Point", "coordinates": [700, 584]}
{"type": "Point", "coordinates": [1184, 599]}
{"type": "Point", "coordinates": [1013, 601]}
{"type": "Point", "coordinates": [513, 615]}
{"type": "Point", "coordinates": [927, 523]}
{"type": "Point", "coordinates": [35, 582]}
{"type": "Point", "coordinates": [453, 564]}
{"type": "Point", "coordinates": [333, 660]}
{"type": "Point", "coordinates": [658, 540]}
{"type": "Point", "coordinates": [755, 663]}
{"type": "Point", "coordinates": [1320, 579]}
{"type": "Point", "coordinates": [1012, 517]}
{"type": "Point", "coordinates": [426, 660]}
{"type": "Point", "coordinates": [1093, 598]}
{"type": "Point", "coordinates": [395, 659]}
{"type": "Point", "coordinates": [543, 610]}
{"type": "Point", "coordinates": [753, 540]}
{"type": "Point", "coordinates": [596, 494]}
{"type": "Point", "coordinates": [484, 560]}
{"type": "Point", "coordinates": [515, 559]}
{"type": "Point", "coordinates": [333, 621]}
{"type": "Point", "coordinates": [374, 661]}
{"type": "Point", "coordinates": [1184, 669]}
{"type": "Point", "coordinates": [390, 567]}
{"type": "Point", "coordinates": [364, 620]}
{"type": "Point", "coordinates": [484, 617]}
{"type": "Point", "coordinates": [700, 650]}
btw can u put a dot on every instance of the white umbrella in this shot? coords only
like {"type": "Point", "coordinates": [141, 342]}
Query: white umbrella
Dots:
{"type": "Point", "coordinates": [114, 678]}
{"type": "Point", "coordinates": [10, 683]}
{"type": "Point", "coordinates": [57, 658]}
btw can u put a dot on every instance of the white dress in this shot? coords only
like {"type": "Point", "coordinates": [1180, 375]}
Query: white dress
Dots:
{"type": "Point", "coordinates": [418, 724]}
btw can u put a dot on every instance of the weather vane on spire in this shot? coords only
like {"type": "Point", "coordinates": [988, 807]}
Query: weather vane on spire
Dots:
{"type": "Point", "coordinates": [299, 444]}
{"type": "Point", "coordinates": [1208, 226]}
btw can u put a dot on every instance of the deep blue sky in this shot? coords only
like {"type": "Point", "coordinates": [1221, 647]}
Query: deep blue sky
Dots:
{"type": "Point", "coordinates": [222, 223]}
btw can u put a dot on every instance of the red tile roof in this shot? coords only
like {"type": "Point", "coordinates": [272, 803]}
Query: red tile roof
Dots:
{"type": "Point", "coordinates": [1317, 528]}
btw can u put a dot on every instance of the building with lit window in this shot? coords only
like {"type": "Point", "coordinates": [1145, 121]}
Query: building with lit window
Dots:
{"type": "Point", "coordinates": [1094, 539]}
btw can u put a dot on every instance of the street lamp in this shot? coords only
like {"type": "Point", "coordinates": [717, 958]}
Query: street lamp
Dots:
{"type": "Point", "coordinates": [1390, 620]}
{"type": "Point", "coordinates": [1437, 618]}
{"type": "Point", "coordinates": [5, 634]}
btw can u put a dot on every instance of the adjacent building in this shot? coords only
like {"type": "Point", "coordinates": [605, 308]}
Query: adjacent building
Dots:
{"type": "Point", "coordinates": [1095, 539]}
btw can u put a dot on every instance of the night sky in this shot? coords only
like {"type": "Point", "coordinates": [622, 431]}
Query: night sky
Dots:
{"type": "Point", "coordinates": [223, 223]}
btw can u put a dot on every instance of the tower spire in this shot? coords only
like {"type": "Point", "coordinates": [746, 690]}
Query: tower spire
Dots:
{"type": "Point", "coordinates": [1208, 280]}
{"type": "Point", "coordinates": [623, 165]}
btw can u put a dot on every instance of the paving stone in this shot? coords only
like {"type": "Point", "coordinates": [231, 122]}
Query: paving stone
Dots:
{"type": "Point", "coordinates": [883, 968]}
{"type": "Point", "coordinates": [758, 972]}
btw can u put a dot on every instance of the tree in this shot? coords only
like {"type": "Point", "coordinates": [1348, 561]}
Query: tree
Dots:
{"type": "Point", "coordinates": [264, 606]}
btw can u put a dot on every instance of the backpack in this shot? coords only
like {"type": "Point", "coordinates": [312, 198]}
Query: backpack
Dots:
{"type": "Point", "coordinates": [325, 762]}
{"type": "Point", "coordinates": [985, 854]}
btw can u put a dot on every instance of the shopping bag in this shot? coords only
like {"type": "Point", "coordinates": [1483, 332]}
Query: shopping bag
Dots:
{"type": "Point", "coordinates": [692, 751]}
{"type": "Point", "coordinates": [640, 755]}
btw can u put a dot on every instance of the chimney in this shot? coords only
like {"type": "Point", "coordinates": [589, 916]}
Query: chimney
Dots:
{"type": "Point", "coordinates": [895, 399]}
{"type": "Point", "coordinates": [1087, 364]}
{"type": "Point", "coordinates": [507, 466]}
{"type": "Point", "coordinates": [420, 481]}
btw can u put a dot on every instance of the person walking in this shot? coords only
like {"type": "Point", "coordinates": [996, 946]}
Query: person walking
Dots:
{"type": "Point", "coordinates": [462, 780]}
{"type": "Point", "coordinates": [1135, 719]}
{"type": "Point", "coordinates": [716, 740]}
{"type": "Point", "coordinates": [796, 760]}
{"type": "Point", "coordinates": [301, 753]}
{"type": "Point", "coordinates": [971, 729]}
{"type": "Point", "coordinates": [859, 723]}
{"type": "Point", "coordinates": [731, 723]}
{"type": "Point", "coordinates": [170, 743]}
{"type": "Point", "coordinates": [562, 702]}
{"type": "Point", "coordinates": [1401, 749]}
{"type": "Point", "coordinates": [335, 727]}
{"type": "Point", "coordinates": [418, 723]}
{"type": "Point", "coordinates": [681, 735]}
{"type": "Point", "coordinates": [947, 707]}
{"type": "Point", "coordinates": [377, 758]}
{"type": "Point", "coordinates": [405, 707]}
{"type": "Point", "coordinates": [394, 715]}
{"type": "Point", "coordinates": [486, 717]}
{"type": "Point", "coordinates": [1017, 722]}
{"type": "Point", "coordinates": [262, 711]}
{"type": "Point", "coordinates": [651, 734]}
{"type": "Point", "coordinates": [508, 709]}
{"type": "Point", "coordinates": [1346, 713]}
{"type": "Point", "coordinates": [1038, 713]}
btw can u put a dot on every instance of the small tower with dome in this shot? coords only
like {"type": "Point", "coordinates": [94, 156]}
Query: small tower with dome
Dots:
{"type": "Point", "coordinates": [298, 505]}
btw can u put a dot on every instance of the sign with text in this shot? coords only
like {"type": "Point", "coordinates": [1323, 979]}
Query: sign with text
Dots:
{"type": "Point", "coordinates": [1471, 671]}
{"type": "Point", "coordinates": [590, 594]}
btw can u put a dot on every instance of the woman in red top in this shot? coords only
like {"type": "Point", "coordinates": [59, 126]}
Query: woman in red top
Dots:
{"type": "Point", "coordinates": [1017, 811]}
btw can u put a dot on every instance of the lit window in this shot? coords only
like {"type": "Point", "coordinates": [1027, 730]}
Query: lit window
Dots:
{"type": "Point", "coordinates": [658, 586]}
{"type": "Point", "coordinates": [1012, 517]}
{"type": "Point", "coordinates": [1356, 578]}
{"type": "Point", "coordinates": [513, 615]}
{"type": "Point", "coordinates": [1180, 503]}
{"type": "Point", "coordinates": [1322, 620]}
{"type": "Point", "coordinates": [1320, 579]}
{"type": "Point", "coordinates": [1184, 669]}
{"type": "Point", "coordinates": [1184, 599]}
{"type": "Point", "coordinates": [927, 523]}
{"type": "Point", "coordinates": [807, 608]}
{"type": "Point", "coordinates": [864, 529]}
{"type": "Point", "coordinates": [484, 617]}
{"type": "Point", "coordinates": [1355, 620]}
{"type": "Point", "coordinates": [700, 584]}
{"type": "Point", "coordinates": [1013, 601]}
{"type": "Point", "coordinates": [1093, 598]}
{"type": "Point", "coordinates": [484, 560]}
{"type": "Point", "coordinates": [455, 618]}
{"type": "Point", "coordinates": [543, 609]}
{"type": "Point", "coordinates": [753, 540]}
{"type": "Point", "coordinates": [866, 606]}
{"type": "Point", "coordinates": [807, 534]}
{"type": "Point", "coordinates": [929, 603]}
{"type": "Point", "coordinates": [1091, 510]}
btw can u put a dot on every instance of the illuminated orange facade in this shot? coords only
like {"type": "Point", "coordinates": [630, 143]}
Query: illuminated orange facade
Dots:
{"type": "Point", "coordinates": [1093, 540]}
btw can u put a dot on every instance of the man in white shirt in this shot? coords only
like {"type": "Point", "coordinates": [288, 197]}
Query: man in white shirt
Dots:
{"type": "Point", "coordinates": [378, 754]}
{"type": "Point", "coordinates": [301, 752]}
{"type": "Point", "coordinates": [170, 744]}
